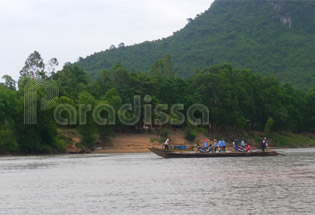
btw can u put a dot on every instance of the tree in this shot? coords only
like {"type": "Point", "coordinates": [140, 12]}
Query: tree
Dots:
{"type": "Point", "coordinates": [310, 109]}
{"type": "Point", "coordinates": [121, 45]}
{"type": "Point", "coordinates": [163, 67]}
{"type": "Point", "coordinates": [51, 66]}
{"type": "Point", "coordinates": [189, 20]}
{"type": "Point", "coordinates": [35, 67]}
{"type": "Point", "coordinates": [87, 127]}
{"type": "Point", "coordinates": [121, 80]}
{"type": "Point", "coordinates": [42, 137]}
{"type": "Point", "coordinates": [268, 125]}
{"type": "Point", "coordinates": [9, 82]}
{"type": "Point", "coordinates": [71, 80]}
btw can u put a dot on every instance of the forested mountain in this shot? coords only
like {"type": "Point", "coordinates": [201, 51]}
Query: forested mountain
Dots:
{"type": "Point", "coordinates": [270, 37]}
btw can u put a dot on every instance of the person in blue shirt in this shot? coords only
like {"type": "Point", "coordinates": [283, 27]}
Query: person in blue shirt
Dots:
{"type": "Point", "coordinates": [236, 144]}
{"type": "Point", "coordinates": [206, 144]}
{"type": "Point", "coordinates": [220, 146]}
{"type": "Point", "coordinates": [243, 143]}
{"type": "Point", "coordinates": [223, 145]}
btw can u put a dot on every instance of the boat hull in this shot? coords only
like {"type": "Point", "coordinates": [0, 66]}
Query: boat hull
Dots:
{"type": "Point", "coordinates": [165, 154]}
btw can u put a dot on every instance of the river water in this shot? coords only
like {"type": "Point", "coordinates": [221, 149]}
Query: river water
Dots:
{"type": "Point", "coordinates": [148, 184]}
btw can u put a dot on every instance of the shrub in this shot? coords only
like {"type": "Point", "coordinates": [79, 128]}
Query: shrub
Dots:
{"type": "Point", "coordinates": [191, 134]}
{"type": "Point", "coordinates": [268, 125]}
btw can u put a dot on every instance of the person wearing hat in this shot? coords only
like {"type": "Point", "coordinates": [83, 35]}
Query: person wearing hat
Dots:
{"type": "Point", "coordinates": [215, 145]}
{"type": "Point", "coordinates": [206, 143]}
{"type": "Point", "coordinates": [264, 144]}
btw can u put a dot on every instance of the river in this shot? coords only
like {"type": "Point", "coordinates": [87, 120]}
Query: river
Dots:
{"type": "Point", "coordinates": [148, 184]}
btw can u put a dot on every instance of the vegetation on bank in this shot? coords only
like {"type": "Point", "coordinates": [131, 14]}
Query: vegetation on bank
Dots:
{"type": "Point", "coordinates": [238, 100]}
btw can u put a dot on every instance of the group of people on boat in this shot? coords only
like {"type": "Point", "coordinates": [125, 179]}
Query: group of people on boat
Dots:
{"type": "Point", "coordinates": [208, 147]}
{"type": "Point", "coordinates": [220, 146]}
{"type": "Point", "coordinates": [243, 147]}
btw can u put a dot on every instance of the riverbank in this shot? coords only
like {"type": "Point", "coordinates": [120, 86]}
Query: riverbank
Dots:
{"type": "Point", "coordinates": [139, 143]}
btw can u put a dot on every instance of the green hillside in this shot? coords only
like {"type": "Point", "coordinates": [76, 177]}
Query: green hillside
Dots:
{"type": "Point", "coordinates": [270, 37]}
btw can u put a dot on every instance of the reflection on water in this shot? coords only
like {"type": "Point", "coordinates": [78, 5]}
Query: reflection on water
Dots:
{"type": "Point", "coordinates": [147, 184]}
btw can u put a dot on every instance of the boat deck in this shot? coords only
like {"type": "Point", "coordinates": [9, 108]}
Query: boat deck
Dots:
{"type": "Point", "coordinates": [193, 154]}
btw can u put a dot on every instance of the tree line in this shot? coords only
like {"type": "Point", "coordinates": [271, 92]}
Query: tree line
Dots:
{"type": "Point", "coordinates": [237, 99]}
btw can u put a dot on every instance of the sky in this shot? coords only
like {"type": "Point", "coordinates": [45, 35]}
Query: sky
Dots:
{"type": "Point", "coordinates": [69, 29]}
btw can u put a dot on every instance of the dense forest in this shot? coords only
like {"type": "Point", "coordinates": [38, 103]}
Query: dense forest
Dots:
{"type": "Point", "coordinates": [238, 99]}
{"type": "Point", "coordinates": [270, 37]}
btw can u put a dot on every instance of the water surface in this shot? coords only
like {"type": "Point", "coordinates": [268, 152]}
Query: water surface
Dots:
{"type": "Point", "coordinates": [147, 184]}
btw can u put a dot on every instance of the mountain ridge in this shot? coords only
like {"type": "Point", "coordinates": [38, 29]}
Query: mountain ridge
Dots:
{"type": "Point", "coordinates": [270, 37]}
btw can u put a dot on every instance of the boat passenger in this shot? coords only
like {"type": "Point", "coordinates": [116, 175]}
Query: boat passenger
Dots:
{"type": "Point", "coordinates": [220, 145]}
{"type": "Point", "coordinates": [210, 148]}
{"type": "Point", "coordinates": [249, 148]}
{"type": "Point", "coordinates": [236, 144]}
{"type": "Point", "coordinates": [264, 145]}
{"type": "Point", "coordinates": [199, 148]}
{"type": "Point", "coordinates": [215, 145]}
{"type": "Point", "coordinates": [241, 149]}
{"type": "Point", "coordinates": [206, 143]}
{"type": "Point", "coordinates": [223, 145]}
{"type": "Point", "coordinates": [243, 143]}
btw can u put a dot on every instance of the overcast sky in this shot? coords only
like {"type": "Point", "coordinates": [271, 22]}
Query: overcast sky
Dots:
{"type": "Point", "coordinates": [68, 29]}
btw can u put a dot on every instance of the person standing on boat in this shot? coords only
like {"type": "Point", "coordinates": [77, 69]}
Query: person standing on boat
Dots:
{"type": "Point", "coordinates": [220, 145]}
{"type": "Point", "coordinates": [215, 145]}
{"type": "Point", "coordinates": [223, 145]}
{"type": "Point", "coordinates": [167, 144]}
{"type": "Point", "coordinates": [264, 144]}
{"type": "Point", "coordinates": [236, 145]}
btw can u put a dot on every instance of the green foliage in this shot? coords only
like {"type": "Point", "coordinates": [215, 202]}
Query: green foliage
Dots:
{"type": "Point", "coordinates": [87, 127]}
{"type": "Point", "coordinates": [35, 67]}
{"type": "Point", "coordinates": [164, 132]}
{"type": "Point", "coordinates": [237, 99]}
{"type": "Point", "coordinates": [8, 141]}
{"type": "Point", "coordinates": [245, 33]}
{"type": "Point", "coordinates": [71, 81]}
{"type": "Point", "coordinates": [291, 140]}
{"type": "Point", "coordinates": [268, 126]}
{"type": "Point", "coordinates": [191, 133]}
{"type": "Point", "coordinates": [310, 109]}
{"type": "Point", "coordinates": [9, 82]}
{"type": "Point", "coordinates": [162, 67]}
{"type": "Point", "coordinates": [152, 140]}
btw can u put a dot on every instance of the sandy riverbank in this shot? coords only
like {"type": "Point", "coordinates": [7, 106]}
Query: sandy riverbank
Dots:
{"type": "Point", "coordinates": [139, 143]}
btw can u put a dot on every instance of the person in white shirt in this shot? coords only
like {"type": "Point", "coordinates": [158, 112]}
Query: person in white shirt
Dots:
{"type": "Point", "coordinates": [167, 144]}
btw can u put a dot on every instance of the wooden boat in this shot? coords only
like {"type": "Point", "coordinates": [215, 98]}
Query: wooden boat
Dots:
{"type": "Point", "coordinates": [193, 154]}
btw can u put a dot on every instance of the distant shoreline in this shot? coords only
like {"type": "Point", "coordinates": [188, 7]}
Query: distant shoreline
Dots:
{"type": "Point", "coordinates": [125, 151]}
{"type": "Point", "coordinates": [124, 143]}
